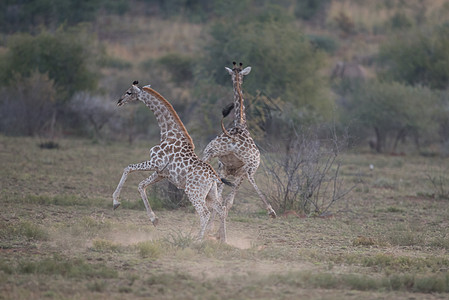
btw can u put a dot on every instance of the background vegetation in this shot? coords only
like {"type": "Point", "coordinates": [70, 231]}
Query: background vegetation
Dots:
{"type": "Point", "coordinates": [340, 61]}
{"type": "Point", "coordinates": [326, 74]}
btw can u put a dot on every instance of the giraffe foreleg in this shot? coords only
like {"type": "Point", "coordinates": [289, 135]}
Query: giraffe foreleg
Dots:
{"type": "Point", "coordinates": [142, 190]}
{"type": "Point", "coordinates": [143, 166]}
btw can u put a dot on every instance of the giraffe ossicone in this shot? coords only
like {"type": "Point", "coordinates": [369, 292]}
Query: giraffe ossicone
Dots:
{"type": "Point", "coordinates": [235, 149]}
{"type": "Point", "coordinates": [174, 159]}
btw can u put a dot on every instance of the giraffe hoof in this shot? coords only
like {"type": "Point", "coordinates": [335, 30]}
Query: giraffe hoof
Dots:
{"type": "Point", "coordinates": [116, 205]}
{"type": "Point", "coordinates": [155, 221]}
{"type": "Point", "coordinates": [272, 214]}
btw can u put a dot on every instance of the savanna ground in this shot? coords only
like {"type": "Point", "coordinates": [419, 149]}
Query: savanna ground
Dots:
{"type": "Point", "coordinates": [60, 238]}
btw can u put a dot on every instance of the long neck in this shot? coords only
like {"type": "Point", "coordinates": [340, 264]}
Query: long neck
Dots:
{"type": "Point", "coordinates": [169, 122]}
{"type": "Point", "coordinates": [239, 107]}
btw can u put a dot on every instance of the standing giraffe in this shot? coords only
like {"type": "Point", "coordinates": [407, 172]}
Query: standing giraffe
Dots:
{"type": "Point", "coordinates": [237, 153]}
{"type": "Point", "coordinates": [174, 158]}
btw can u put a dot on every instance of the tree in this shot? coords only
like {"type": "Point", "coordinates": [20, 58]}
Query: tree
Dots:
{"type": "Point", "coordinates": [285, 63]}
{"type": "Point", "coordinates": [27, 106]}
{"type": "Point", "coordinates": [66, 56]}
{"type": "Point", "coordinates": [418, 57]}
{"type": "Point", "coordinates": [392, 110]}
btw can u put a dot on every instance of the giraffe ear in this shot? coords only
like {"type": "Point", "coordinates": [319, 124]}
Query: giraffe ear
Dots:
{"type": "Point", "coordinates": [229, 71]}
{"type": "Point", "coordinates": [246, 71]}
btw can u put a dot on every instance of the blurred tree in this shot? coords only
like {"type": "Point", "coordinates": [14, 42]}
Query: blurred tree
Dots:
{"type": "Point", "coordinates": [419, 56]}
{"type": "Point", "coordinates": [27, 105]}
{"type": "Point", "coordinates": [27, 15]}
{"type": "Point", "coordinates": [285, 64]}
{"type": "Point", "coordinates": [308, 9]}
{"type": "Point", "coordinates": [66, 56]}
{"type": "Point", "coordinates": [392, 111]}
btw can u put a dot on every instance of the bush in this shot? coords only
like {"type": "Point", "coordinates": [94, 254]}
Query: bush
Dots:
{"type": "Point", "coordinates": [419, 57]}
{"type": "Point", "coordinates": [28, 104]}
{"type": "Point", "coordinates": [66, 56]}
{"type": "Point", "coordinates": [96, 112]}
{"type": "Point", "coordinates": [179, 66]}
{"type": "Point", "coordinates": [324, 43]}
{"type": "Point", "coordinates": [304, 173]}
{"type": "Point", "coordinates": [17, 15]}
{"type": "Point", "coordinates": [392, 111]}
{"type": "Point", "coordinates": [308, 9]}
{"type": "Point", "coordinates": [285, 63]}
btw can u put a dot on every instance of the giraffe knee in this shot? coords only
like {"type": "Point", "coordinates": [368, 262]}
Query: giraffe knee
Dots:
{"type": "Point", "coordinates": [141, 187]}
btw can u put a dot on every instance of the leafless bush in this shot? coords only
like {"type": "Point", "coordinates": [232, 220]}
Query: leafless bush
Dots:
{"type": "Point", "coordinates": [169, 196]}
{"type": "Point", "coordinates": [96, 111]}
{"type": "Point", "coordinates": [304, 173]}
{"type": "Point", "coordinates": [439, 181]}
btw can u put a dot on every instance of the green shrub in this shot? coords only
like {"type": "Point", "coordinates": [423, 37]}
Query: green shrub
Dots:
{"type": "Point", "coordinates": [307, 9]}
{"type": "Point", "coordinates": [105, 246]}
{"type": "Point", "coordinates": [392, 111]}
{"type": "Point", "coordinates": [179, 66]}
{"type": "Point", "coordinates": [418, 57]}
{"type": "Point", "coordinates": [285, 63]}
{"type": "Point", "coordinates": [400, 21]}
{"type": "Point", "coordinates": [324, 43]}
{"type": "Point", "coordinates": [73, 268]}
{"type": "Point", "coordinates": [23, 229]}
{"type": "Point", "coordinates": [67, 56]}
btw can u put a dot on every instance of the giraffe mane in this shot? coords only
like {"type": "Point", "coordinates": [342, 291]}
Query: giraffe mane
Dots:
{"type": "Point", "coordinates": [172, 111]}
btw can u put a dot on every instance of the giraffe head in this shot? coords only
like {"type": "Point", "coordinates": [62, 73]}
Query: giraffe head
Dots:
{"type": "Point", "coordinates": [237, 73]}
{"type": "Point", "coordinates": [131, 94]}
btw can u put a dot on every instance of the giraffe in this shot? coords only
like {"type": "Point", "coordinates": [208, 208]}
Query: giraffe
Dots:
{"type": "Point", "coordinates": [237, 153]}
{"type": "Point", "coordinates": [174, 158]}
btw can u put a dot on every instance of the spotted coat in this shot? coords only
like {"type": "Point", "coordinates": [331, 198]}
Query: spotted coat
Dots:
{"type": "Point", "coordinates": [174, 159]}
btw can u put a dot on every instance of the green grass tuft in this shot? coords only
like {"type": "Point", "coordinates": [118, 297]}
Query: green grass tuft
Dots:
{"type": "Point", "coordinates": [23, 229]}
{"type": "Point", "coordinates": [72, 268]}
{"type": "Point", "coordinates": [150, 249]}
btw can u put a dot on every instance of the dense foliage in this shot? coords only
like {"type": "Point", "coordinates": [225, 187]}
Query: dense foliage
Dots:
{"type": "Point", "coordinates": [85, 53]}
{"type": "Point", "coordinates": [65, 55]}
{"type": "Point", "coordinates": [418, 57]}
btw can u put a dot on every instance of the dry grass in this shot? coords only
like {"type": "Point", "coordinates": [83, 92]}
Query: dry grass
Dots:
{"type": "Point", "coordinates": [60, 238]}
{"type": "Point", "coordinates": [369, 16]}
{"type": "Point", "coordinates": [137, 38]}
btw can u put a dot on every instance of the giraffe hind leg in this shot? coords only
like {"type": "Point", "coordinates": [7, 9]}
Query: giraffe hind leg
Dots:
{"type": "Point", "coordinates": [268, 207]}
{"type": "Point", "coordinates": [198, 199]}
{"type": "Point", "coordinates": [220, 209]}
{"type": "Point", "coordinates": [142, 190]}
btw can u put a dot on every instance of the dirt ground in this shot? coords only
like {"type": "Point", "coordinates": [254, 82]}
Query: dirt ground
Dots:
{"type": "Point", "coordinates": [60, 238]}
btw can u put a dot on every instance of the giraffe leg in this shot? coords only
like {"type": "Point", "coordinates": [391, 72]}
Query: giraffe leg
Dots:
{"type": "Point", "coordinates": [221, 174]}
{"type": "Point", "coordinates": [229, 201]}
{"type": "Point", "coordinates": [142, 190]}
{"type": "Point", "coordinates": [220, 209]}
{"type": "Point", "coordinates": [268, 207]}
{"type": "Point", "coordinates": [143, 166]}
{"type": "Point", "coordinates": [198, 199]}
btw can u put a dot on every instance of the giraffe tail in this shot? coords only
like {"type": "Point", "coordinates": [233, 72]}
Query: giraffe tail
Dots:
{"type": "Point", "coordinates": [227, 182]}
{"type": "Point", "coordinates": [225, 112]}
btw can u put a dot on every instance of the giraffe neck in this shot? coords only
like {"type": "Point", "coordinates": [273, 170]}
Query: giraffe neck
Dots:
{"type": "Point", "coordinates": [169, 122]}
{"type": "Point", "coordinates": [239, 107]}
